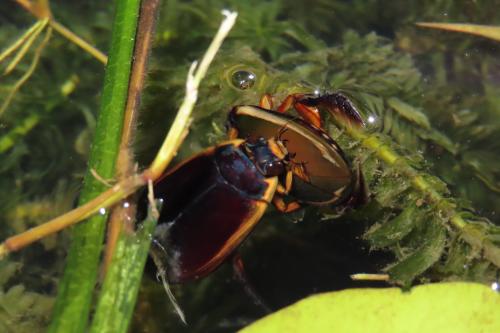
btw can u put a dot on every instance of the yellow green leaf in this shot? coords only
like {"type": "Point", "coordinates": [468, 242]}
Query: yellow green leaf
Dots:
{"type": "Point", "coordinates": [442, 307]}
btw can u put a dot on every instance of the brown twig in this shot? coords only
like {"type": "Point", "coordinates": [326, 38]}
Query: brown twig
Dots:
{"type": "Point", "coordinates": [125, 166]}
{"type": "Point", "coordinates": [104, 200]}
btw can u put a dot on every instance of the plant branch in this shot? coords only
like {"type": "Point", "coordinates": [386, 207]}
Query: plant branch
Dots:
{"type": "Point", "coordinates": [180, 126]}
{"type": "Point", "coordinates": [125, 165]}
{"type": "Point", "coordinates": [41, 10]}
{"type": "Point", "coordinates": [29, 72]}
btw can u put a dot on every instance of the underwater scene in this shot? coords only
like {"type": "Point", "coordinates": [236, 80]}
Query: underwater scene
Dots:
{"type": "Point", "coordinates": [333, 147]}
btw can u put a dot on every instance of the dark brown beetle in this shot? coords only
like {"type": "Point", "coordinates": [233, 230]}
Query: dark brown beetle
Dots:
{"type": "Point", "coordinates": [212, 201]}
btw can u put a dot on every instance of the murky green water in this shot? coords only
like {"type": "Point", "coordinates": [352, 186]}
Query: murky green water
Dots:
{"type": "Point", "coordinates": [430, 96]}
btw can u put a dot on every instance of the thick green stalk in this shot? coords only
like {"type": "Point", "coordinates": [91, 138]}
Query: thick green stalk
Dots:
{"type": "Point", "coordinates": [121, 286]}
{"type": "Point", "coordinates": [73, 303]}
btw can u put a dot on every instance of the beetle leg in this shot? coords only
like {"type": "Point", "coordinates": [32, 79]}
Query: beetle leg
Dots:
{"type": "Point", "coordinates": [308, 113]}
{"type": "Point", "coordinates": [288, 181]}
{"type": "Point", "coordinates": [241, 276]}
{"type": "Point", "coordinates": [283, 206]}
{"type": "Point", "coordinates": [266, 102]}
{"type": "Point", "coordinates": [288, 102]}
{"type": "Point", "coordinates": [337, 104]}
{"type": "Point", "coordinates": [360, 195]}
{"type": "Point", "coordinates": [232, 133]}
{"type": "Point", "coordinates": [281, 191]}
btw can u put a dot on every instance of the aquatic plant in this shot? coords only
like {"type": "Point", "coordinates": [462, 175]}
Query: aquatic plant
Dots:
{"type": "Point", "coordinates": [424, 152]}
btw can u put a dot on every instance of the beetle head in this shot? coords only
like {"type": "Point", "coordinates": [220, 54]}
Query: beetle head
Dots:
{"type": "Point", "coordinates": [269, 156]}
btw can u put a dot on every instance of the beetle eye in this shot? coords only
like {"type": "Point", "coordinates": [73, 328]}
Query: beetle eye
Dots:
{"type": "Point", "coordinates": [274, 168]}
{"type": "Point", "coordinates": [243, 79]}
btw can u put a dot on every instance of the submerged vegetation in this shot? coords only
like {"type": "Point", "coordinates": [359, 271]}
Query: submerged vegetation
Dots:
{"type": "Point", "coordinates": [429, 155]}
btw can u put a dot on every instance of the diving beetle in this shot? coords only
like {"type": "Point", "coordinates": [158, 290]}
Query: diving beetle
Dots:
{"type": "Point", "coordinates": [323, 174]}
{"type": "Point", "coordinates": [213, 200]}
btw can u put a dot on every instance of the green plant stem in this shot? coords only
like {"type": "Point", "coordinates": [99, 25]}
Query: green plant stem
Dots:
{"type": "Point", "coordinates": [121, 285]}
{"type": "Point", "coordinates": [126, 167]}
{"type": "Point", "coordinates": [73, 303]}
{"type": "Point", "coordinates": [471, 235]}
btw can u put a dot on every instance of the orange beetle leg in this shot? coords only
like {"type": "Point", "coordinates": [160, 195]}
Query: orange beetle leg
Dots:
{"type": "Point", "coordinates": [288, 102]}
{"type": "Point", "coordinates": [232, 133]}
{"type": "Point", "coordinates": [309, 114]}
{"type": "Point", "coordinates": [288, 184]}
{"type": "Point", "coordinates": [266, 102]}
{"type": "Point", "coordinates": [284, 207]}
{"type": "Point", "coordinates": [281, 190]}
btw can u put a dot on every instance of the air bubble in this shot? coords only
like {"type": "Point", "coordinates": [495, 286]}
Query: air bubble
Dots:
{"type": "Point", "coordinates": [102, 211]}
{"type": "Point", "coordinates": [243, 79]}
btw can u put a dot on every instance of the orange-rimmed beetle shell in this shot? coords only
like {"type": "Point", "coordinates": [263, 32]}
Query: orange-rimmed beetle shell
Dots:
{"type": "Point", "coordinates": [211, 202]}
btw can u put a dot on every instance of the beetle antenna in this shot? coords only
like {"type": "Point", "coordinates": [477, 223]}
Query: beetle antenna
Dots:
{"type": "Point", "coordinates": [282, 131]}
{"type": "Point", "coordinates": [162, 275]}
{"type": "Point", "coordinates": [285, 128]}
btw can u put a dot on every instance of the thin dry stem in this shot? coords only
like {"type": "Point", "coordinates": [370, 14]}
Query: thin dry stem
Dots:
{"type": "Point", "coordinates": [26, 46]}
{"type": "Point", "coordinates": [104, 200]}
{"type": "Point", "coordinates": [180, 126]}
{"type": "Point", "coordinates": [492, 32]}
{"type": "Point", "coordinates": [21, 40]}
{"type": "Point", "coordinates": [97, 176]}
{"type": "Point", "coordinates": [151, 199]}
{"type": "Point", "coordinates": [41, 10]}
{"type": "Point", "coordinates": [29, 72]}
{"type": "Point", "coordinates": [370, 277]}
{"type": "Point", "coordinates": [74, 38]}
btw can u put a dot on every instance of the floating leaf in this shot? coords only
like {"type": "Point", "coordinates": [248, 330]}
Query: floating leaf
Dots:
{"type": "Point", "coordinates": [442, 307]}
